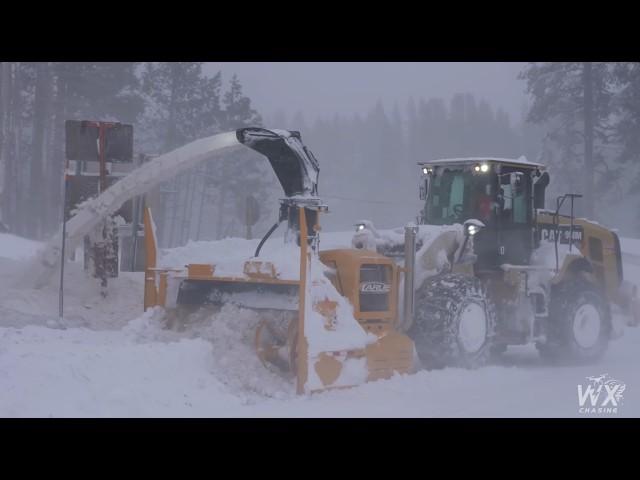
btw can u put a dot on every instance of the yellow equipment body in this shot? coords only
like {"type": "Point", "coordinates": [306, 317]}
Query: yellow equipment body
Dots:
{"type": "Point", "coordinates": [601, 247]}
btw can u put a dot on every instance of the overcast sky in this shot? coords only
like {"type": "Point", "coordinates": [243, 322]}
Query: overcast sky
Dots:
{"type": "Point", "coordinates": [322, 88]}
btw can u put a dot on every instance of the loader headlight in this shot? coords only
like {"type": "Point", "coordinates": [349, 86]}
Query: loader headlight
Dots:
{"type": "Point", "coordinates": [471, 227]}
{"type": "Point", "coordinates": [427, 170]}
{"type": "Point", "coordinates": [359, 227]}
{"type": "Point", "coordinates": [481, 168]}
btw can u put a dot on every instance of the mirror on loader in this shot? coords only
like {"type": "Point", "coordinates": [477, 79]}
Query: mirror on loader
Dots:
{"type": "Point", "coordinates": [424, 186]}
{"type": "Point", "coordinates": [423, 190]}
{"type": "Point", "coordinates": [516, 181]}
{"type": "Point", "coordinates": [539, 190]}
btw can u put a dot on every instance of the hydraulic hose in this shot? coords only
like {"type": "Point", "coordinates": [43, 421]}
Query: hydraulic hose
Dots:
{"type": "Point", "coordinates": [264, 239]}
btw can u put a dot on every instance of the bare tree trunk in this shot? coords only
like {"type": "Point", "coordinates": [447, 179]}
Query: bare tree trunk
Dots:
{"type": "Point", "coordinates": [171, 121]}
{"type": "Point", "coordinates": [174, 218]}
{"type": "Point", "coordinates": [221, 216]}
{"type": "Point", "coordinates": [5, 92]}
{"type": "Point", "coordinates": [53, 166]}
{"type": "Point", "coordinates": [188, 207]}
{"type": "Point", "coordinates": [13, 151]}
{"type": "Point", "coordinates": [37, 211]}
{"type": "Point", "coordinates": [587, 77]}
{"type": "Point", "coordinates": [57, 163]}
{"type": "Point", "coordinates": [167, 227]}
{"type": "Point", "coordinates": [203, 196]}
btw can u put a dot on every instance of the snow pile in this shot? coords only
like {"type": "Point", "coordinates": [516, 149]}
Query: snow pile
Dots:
{"type": "Point", "coordinates": [17, 248]}
{"type": "Point", "coordinates": [84, 306]}
{"type": "Point", "coordinates": [230, 332]}
{"type": "Point", "coordinates": [82, 373]}
{"type": "Point", "coordinates": [391, 241]}
{"type": "Point", "coordinates": [369, 237]}
{"type": "Point", "coordinates": [229, 256]}
{"type": "Point", "coordinates": [340, 333]}
{"type": "Point", "coordinates": [438, 246]}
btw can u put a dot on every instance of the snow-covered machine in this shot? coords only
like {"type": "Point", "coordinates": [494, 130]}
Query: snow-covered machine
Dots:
{"type": "Point", "coordinates": [495, 268]}
{"type": "Point", "coordinates": [328, 318]}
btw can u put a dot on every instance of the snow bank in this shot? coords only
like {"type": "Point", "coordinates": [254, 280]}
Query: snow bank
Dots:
{"type": "Point", "coordinates": [135, 373]}
{"type": "Point", "coordinates": [80, 373]}
{"type": "Point", "coordinates": [83, 304]}
{"type": "Point", "coordinates": [17, 248]}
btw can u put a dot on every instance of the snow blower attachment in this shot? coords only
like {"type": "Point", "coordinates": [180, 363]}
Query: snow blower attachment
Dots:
{"type": "Point", "coordinates": [327, 319]}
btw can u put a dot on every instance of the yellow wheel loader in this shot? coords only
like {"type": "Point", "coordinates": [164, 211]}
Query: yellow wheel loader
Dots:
{"type": "Point", "coordinates": [331, 321]}
{"type": "Point", "coordinates": [494, 268]}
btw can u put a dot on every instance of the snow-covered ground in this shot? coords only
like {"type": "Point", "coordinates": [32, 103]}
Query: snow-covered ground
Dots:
{"type": "Point", "coordinates": [109, 359]}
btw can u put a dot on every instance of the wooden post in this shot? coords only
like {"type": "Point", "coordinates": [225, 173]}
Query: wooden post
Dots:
{"type": "Point", "coordinates": [150, 247]}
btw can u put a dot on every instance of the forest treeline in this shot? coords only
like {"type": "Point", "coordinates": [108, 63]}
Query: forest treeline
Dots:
{"type": "Point", "coordinates": [583, 120]}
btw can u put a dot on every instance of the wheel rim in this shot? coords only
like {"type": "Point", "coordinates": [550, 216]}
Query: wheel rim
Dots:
{"type": "Point", "coordinates": [586, 325]}
{"type": "Point", "coordinates": [472, 330]}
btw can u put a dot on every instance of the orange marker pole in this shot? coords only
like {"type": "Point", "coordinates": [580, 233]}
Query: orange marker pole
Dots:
{"type": "Point", "coordinates": [64, 241]}
{"type": "Point", "coordinates": [302, 346]}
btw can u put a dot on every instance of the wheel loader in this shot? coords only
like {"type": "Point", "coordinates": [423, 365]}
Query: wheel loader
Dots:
{"type": "Point", "coordinates": [328, 317]}
{"type": "Point", "coordinates": [493, 267]}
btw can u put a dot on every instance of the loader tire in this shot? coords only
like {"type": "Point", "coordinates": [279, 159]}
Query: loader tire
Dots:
{"type": "Point", "coordinates": [579, 324]}
{"type": "Point", "coordinates": [454, 322]}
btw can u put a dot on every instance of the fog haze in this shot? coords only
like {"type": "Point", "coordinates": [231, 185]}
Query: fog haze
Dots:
{"type": "Point", "coordinates": [326, 88]}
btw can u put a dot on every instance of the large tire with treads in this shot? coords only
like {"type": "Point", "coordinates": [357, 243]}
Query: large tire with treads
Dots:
{"type": "Point", "coordinates": [454, 322]}
{"type": "Point", "coordinates": [579, 325]}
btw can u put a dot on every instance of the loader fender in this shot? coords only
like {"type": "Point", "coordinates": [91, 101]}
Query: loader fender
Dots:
{"type": "Point", "coordinates": [572, 266]}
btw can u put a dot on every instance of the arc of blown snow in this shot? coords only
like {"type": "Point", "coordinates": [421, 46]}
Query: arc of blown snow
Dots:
{"type": "Point", "coordinates": [139, 181]}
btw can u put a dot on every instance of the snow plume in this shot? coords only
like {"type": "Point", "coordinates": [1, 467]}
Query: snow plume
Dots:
{"type": "Point", "coordinates": [141, 180]}
{"type": "Point", "coordinates": [230, 331]}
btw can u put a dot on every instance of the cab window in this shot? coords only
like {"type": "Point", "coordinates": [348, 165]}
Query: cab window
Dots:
{"type": "Point", "coordinates": [514, 199]}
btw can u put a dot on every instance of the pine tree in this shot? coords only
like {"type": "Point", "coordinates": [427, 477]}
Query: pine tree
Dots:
{"type": "Point", "coordinates": [574, 100]}
{"type": "Point", "coordinates": [241, 173]}
{"type": "Point", "coordinates": [5, 180]}
{"type": "Point", "coordinates": [182, 104]}
{"type": "Point", "coordinates": [412, 131]}
{"type": "Point", "coordinates": [38, 186]}
{"type": "Point", "coordinates": [627, 127]}
{"type": "Point", "coordinates": [434, 131]}
{"type": "Point", "coordinates": [627, 101]}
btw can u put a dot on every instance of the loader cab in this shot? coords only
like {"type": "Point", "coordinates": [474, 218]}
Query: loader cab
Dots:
{"type": "Point", "coordinates": [498, 192]}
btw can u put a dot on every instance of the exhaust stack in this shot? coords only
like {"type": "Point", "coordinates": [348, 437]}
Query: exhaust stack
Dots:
{"type": "Point", "coordinates": [410, 232]}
